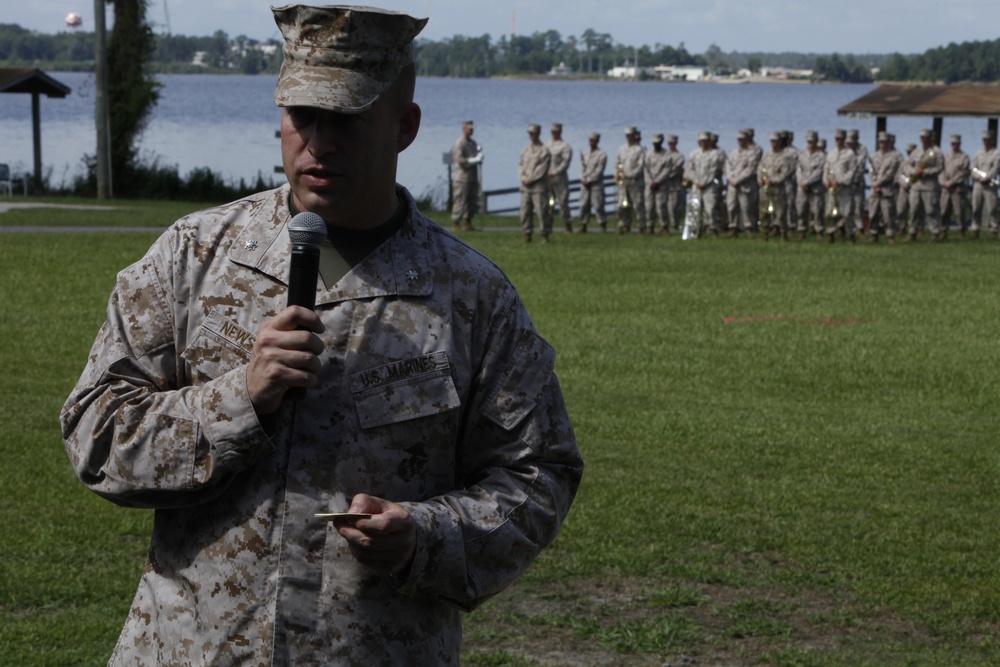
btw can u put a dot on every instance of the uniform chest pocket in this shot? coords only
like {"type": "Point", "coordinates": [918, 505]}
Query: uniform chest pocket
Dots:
{"type": "Point", "coordinates": [219, 346]}
{"type": "Point", "coordinates": [404, 390]}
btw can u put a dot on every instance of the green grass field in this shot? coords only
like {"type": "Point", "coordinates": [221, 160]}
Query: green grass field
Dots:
{"type": "Point", "coordinates": [790, 452]}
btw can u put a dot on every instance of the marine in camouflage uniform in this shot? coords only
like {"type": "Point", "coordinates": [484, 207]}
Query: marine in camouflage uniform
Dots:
{"type": "Point", "coordinates": [984, 192]}
{"type": "Point", "coordinates": [700, 171]}
{"type": "Point", "coordinates": [466, 156]}
{"type": "Point", "coordinates": [904, 178]}
{"type": "Point", "coordinates": [773, 173]}
{"type": "Point", "coordinates": [657, 171]}
{"type": "Point", "coordinates": [533, 173]}
{"type": "Point", "coordinates": [954, 180]}
{"type": "Point", "coordinates": [840, 175]}
{"type": "Point", "coordinates": [432, 406]}
{"type": "Point", "coordinates": [925, 165]}
{"type": "Point", "coordinates": [885, 162]}
{"type": "Point", "coordinates": [742, 179]}
{"type": "Point", "coordinates": [630, 163]}
{"type": "Point", "coordinates": [791, 186]}
{"type": "Point", "coordinates": [562, 155]}
{"type": "Point", "coordinates": [592, 166]}
{"type": "Point", "coordinates": [753, 206]}
{"type": "Point", "coordinates": [676, 193]}
{"type": "Point", "coordinates": [809, 186]}
{"type": "Point", "coordinates": [858, 190]}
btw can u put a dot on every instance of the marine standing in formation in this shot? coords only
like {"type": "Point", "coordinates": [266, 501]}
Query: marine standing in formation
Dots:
{"type": "Point", "coordinates": [741, 172]}
{"type": "Point", "coordinates": [657, 172]}
{"type": "Point", "coordinates": [466, 156]}
{"type": "Point", "coordinates": [840, 174]}
{"type": "Point", "coordinates": [700, 171]}
{"type": "Point", "coordinates": [630, 167]}
{"type": "Point", "coordinates": [533, 173]}
{"type": "Point", "coordinates": [772, 175]}
{"type": "Point", "coordinates": [858, 187]}
{"type": "Point", "coordinates": [562, 155]}
{"type": "Point", "coordinates": [809, 186]}
{"type": "Point", "coordinates": [925, 164]}
{"type": "Point", "coordinates": [986, 166]}
{"type": "Point", "coordinates": [592, 166]}
{"type": "Point", "coordinates": [885, 162]}
{"type": "Point", "coordinates": [676, 193]}
{"type": "Point", "coordinates": [954, 180]}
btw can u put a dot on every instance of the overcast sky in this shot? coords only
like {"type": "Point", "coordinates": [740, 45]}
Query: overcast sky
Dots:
{"type": "Point", "coordinates": [807, 26]}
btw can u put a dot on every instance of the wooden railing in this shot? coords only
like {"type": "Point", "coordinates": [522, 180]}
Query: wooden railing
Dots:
{"type": "Point", "coordinates": [507, 208]}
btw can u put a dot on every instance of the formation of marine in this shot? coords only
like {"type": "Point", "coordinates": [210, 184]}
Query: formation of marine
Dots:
{"type": "Point", "coordinates": [841, 191]}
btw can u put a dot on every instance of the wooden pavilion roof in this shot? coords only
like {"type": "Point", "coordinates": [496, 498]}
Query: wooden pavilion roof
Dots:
{"type": "Point", "coordinates": [935, 100]}
{"type": "Point", "coordinates": [29, 80]}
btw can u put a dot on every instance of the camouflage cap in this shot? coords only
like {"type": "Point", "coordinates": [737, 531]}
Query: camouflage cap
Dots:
{"type": "Point", "coordinates": [704, 136]}
{"type": "Point", "coordinates": [630, 129]}
{"type": "Point", "coordinates": [852, 135]}
{"type": "Point", "coordinates": [740, 134]}
{"type": "Point", "coordinates": [658, 138]}
{"type": "Point", "coordinates": [839, 134]}
{"type": "Point", "coordinates": [341, 57]}
{"type": "Point", "coordinates": [926, 133]}
{"type": "Point", "coordinates": [534, 128]}
{"type": "Point", "coordinates": [556, 127]}
{"type": "Point", "coordinates": [811, 135]}
{"type": "Point", "coordinates": [988, 134]}
{"type": "Point", "coordinates": [671, 138]}
{"type": "Point", "coordinates": [596, 136]}
{"type": "Point", "coordinates": [883, 136]}
{"type": "Point", "coordinates": [956, 138]}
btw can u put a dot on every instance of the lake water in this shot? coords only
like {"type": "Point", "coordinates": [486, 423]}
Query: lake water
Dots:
{"type": "Point", "coordinates": [228, 123]}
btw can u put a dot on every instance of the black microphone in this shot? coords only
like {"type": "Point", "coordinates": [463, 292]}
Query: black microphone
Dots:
{"type": "Point", "coordinates": [306, 231]}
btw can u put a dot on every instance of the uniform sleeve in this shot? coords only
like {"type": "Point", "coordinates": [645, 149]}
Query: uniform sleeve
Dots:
{"type": "Point", "coordinates": [133, 434]}
{"type": "Point", "coordinates": [519, 469]}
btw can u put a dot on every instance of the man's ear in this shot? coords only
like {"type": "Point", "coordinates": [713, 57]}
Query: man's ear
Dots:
{"type": "Point", "coordinates": [409, 125]}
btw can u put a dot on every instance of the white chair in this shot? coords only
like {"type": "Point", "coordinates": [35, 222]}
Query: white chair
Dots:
{"type": "Point", "coordinates": [5, 180]}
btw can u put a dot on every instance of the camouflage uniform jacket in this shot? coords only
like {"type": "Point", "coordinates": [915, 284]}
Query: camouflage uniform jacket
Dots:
{"type": "Point", "coordinates": [774, 169]}
{"type": "Point", "coordinates": [533, 166]}
{"type": "Point", "coordinates": [841, 167]}
{"type": "Point", "coordinates": [809, 167]}
{"type": "Point", "coordinates": [885, 172]}
{"type": "Point", "coordinates": [435, 392]}
{"type": "Point", "coordinates": [740, 168]}
{"type": "Point", "coordinates": [675, 170]}
{"type": "Point", "coordinates": [633, 161]}
{"type": "Point", "coordinates": [657, 168]}
{"type": "Point", "coordinates": [932, 163]}
{"type": "Point", "coordinates": [957, 169]}
{"type": "Point", "coordinates": [863, 160]}
{"type": "Point", "coordinates": [700, 167]}
{"type": "Point", "coordinates": [987, 160]}
{"type": "Point", "coordinates": [592, 165]}
{"type": "Point", "coordinates": [460, 154]}
{"type": "Point", "coordinates": [562, 155]}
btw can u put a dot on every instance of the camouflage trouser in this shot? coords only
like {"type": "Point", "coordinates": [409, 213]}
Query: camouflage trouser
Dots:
{"type": "Point", "coordinates": [984, 207]}
{"type": "Point", "coordinates": [775, 199]}
{"type": "Point", "coordinates": [858, 205]}
{"type": "Point", "coordinates": [954, 205]}
{"type": "Point", "coordinates": [634, 188]}
{"type": "Point", "coordinates": [560, 193]}
{"type": "Point", "coordinates": [841, 201]}
{"type": "Point", "coordinates": [902, 208]}
{"type": "Point", "coordinates": [676, 202]}
{"type": "Point", "coordinates": [739, 199]}
{"type": "Point", "coordinates": [464, 204]}
{"type": "Point", "coordinates": [882, 211]}
{"type": "Point", "coordinates": [656, 204]}
{"type": "Point", "coordinates": [925, 208]}
{"type": "Point", "coordinates": [710, 207]}
{"type": "Point", "coordinates": [592, 202]}
{"type": "Point", "coordinates": [534, 198]}
{"type": "Point", "coordinates": [809, 207]}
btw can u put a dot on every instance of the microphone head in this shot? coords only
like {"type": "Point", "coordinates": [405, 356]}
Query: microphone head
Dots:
{"type": "Point", "coordinates": [307, 229]}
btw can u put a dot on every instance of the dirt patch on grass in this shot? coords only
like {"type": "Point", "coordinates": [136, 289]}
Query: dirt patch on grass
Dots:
{"type": "Point", "coordinates": [654, 622]}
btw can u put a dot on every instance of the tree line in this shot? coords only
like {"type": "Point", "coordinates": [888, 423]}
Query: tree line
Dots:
{"type": "Point", "coordinates": [590, 54]}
